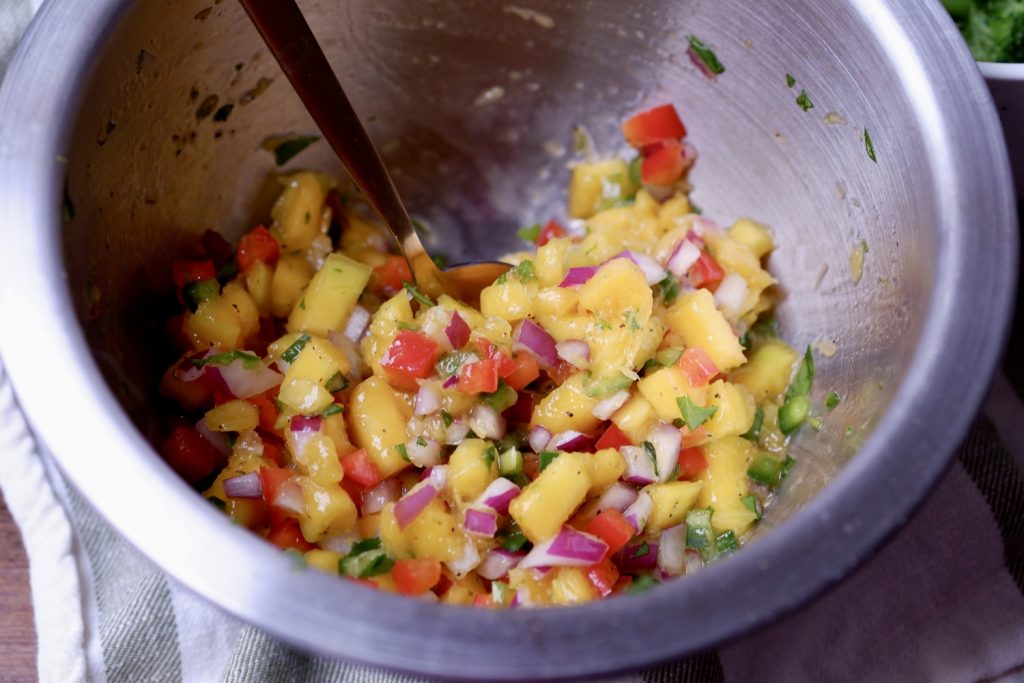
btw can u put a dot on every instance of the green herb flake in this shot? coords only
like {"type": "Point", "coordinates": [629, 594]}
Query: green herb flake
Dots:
{"type": "Point", "coordinates": [295, 348]}
{"type": "Point", "coordinates": [501, 398]}
{"type": "Point", "coordinates": [288, 149]}
{"type": "Point", "coordinates": [706, 55]}
{"type": "Point", "coordinates": [631, 319]}
{"type": "Point", "coordinates": [668, 289]}
{"type": "Point", "coordinates": [333, 409]}
{"type": "Point", "coordinates": [440, 260]}
{"type": "Point", "coordinates": [693, 414]}
{"type": "Point", "coordinates": [417, 294]}
{"type": "Point", "coordinates": [635, 167]}
{"type": "Point", "coordinates": [641, 584]}
{"type": "Point", "coordinates": [249, 360]}
{"type": "Point", "coordinates": [524, 273]}
{"type": "Point", "coordinates": [787, 466]}
{"type": "Point", "coordinates": [804, 101]}
{"type": "Point", "coordinates": [869, 146]}
{"type": "Point", "coordinates": [652, 454]}
{"type": "Point", "coordinates": [421, 442]}
{"type": "Point", "coordinates": [754, 433]}
{"type": "Point", "coordinates": [337, 382]}
{"type": "Point", "coordinates": [801, 384]}
{"type": "Point", "coordinates": [489, 456]}
{"type": "Point", "coordinates": [546, 458]}
{"type": "Point", "coordinates": [366, 559]}
{"type": "Point", "coordinates": [641, 550]}
{"type": "Point", "coordinates": [753, 504]}
{"type": "Point", "coordinates": [450, 364]}
{"type": "Point", "coordinates": [832, 400]}
{"type": "Point", "coordinates": [197, 292]}
{"type": "Point", "coordinates": [790, 81]}
{"type": "Point", "coordinates": [530, 233]}
{"type": "Point", "coordinates": [446, 417]}
{"type": "Point", "coordinates": [403, 452]}
{"type": "Point", "coordinates": [514, 540]}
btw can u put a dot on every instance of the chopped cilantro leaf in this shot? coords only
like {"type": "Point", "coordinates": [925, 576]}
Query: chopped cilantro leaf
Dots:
{"type": "Point", "coordinates": [641, 550]}
{"type": "Point", "coordinates": [752, 503]}
{"type": "Point", "coordinates": [489, 455]}
{"type": "Point", "coordinates": [440, 260]}
{"type": "Point", "coordinates": [754, 433]}
{"type": "Point", "coordinates": [530, 233]}
{"type": "Point", "coordinates": [832, 400]}
{"type": "Point", "coordinates": [293, 351]}
{"type": "Point", "coordinates": [336, 383]}
{"type": "Point", "coordinates": [668, 289]}
{"type": "Point", "coordinates": [421, 442]}
{"type": "Point", "coordinates": [693, 414]}
{"type": "Point", "coordinates": [641, 584]}
{"type": "Point", "coordinates": [288, 149]}
{"type": "Point", "coordinates": [790, 81]}
{"type": "Point", "coordinates": [652, 454]}
{"type": "Point", "coordinates": [417, 294]}
{"type": "Point", "coordinates": [363, 546]}
{"type": "Point", "coordinates": [804, 101]}
{"type": "Point", "coordinates": [446, 417]}
{"type": "Point", "coordinates": [514, 540]}
{"type": "Point", "coordinates": [546, 458]}
{"type": "Point", "coordinates": [403, 451]}
{"type": "Point", "coordinates": [333, 409]}
{"type": "Point", "coordinates": [631, 319]}
{"type": "Point", "coordinates": [705, 55]}
{"type": "Point", "coordinates": [869, 146]}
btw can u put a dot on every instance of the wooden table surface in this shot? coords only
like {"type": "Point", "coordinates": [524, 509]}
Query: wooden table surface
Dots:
{"type": "Point", "coordinates": [17, 630]}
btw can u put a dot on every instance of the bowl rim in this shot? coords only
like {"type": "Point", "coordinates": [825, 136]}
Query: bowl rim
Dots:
{"type": "Point", "coordinates": [833, 535]}
{"type": "Point", "coordinates": [1002, 71]}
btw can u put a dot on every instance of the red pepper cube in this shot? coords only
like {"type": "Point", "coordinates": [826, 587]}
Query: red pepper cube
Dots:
{"type": "Point", "coordinates": [411, 356]}
{"type": "Point", "coordinates": [478, 378]}
{"type": "Point", "coordinates": [550, 231]}
{"type": "Point", "coordinates": [612, 527]}
{"type": "Point", "coordinates": [692, 462]}
{"type": "Point", "coordinates": [664, 165]}
{"type": "Point", "coordinates": [654, 125]}
{"type": "Point", "coordinates": [698, 367]}
{"type": "Point", "coordinates": [190, 455]}
{"type": "Point", "coordinates": [258, 245]}
{"type": "Point", "coordinates": [360, 469]}
{"type": "Point", "coordinates": [613, 437]}
{"type": "Point", "coordinates": [705, 273]}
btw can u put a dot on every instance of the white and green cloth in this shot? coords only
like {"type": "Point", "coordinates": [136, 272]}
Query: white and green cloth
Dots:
{"type": "Point", "coordinates": [944, 601]}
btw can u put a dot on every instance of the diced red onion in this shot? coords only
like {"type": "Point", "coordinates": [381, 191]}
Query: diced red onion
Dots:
{"type": "Point", "coordinates": [289, 497]}
{"type": "Point", "coordinates": [666, 440]}
{"type": "Point", "coordinates": [428, 399]}
{"type": "Point", "coordinates": [306, 423]}
{"type": "Point", "coordinates": [618, 496]}
{"type": "Point", "coordinates": [451, 381]}
{"type": "Point", "coordinates": [374, 499]}
{"type": "Point", "coordinates": [412, 504]}
{"type": "Point", "coordinates": [578, 276]}
{"type": "Point", "coordinates": [571, 442]}
{"type": "Point", "coordinates": [569, 548]}
{"type": "Point", "coordinates": [497, 563]}
{"type": "Point", "coordinates": [639, 466]}
{"type": "Point", "coordinates": [466, 562]}
{"type": "Point", "coordinates": [357, 323]}
{"type": "Point", "coordinates": [486, 422]}
{"type": "Point", "coordinates": [652, 270]}
{"type": "Point", "coordinates": [607, 407]}
{"type": "Point", "coordinates": [538, 438]}
{"type": "Point", "coordinates": [731, 293]}
{"type": "Point", "coordinates": [575, 352]}
{"type": "Point", "coordinates": [497, 496]}
{"type": "Point", "coordinates": [640, 511]}
{"type": "Point", "coordinates": [531, 337]}
{"type": "Point", "coordinates": [455, 432]}
{"type": "Point", "coordinates": [457, 331]}
{"type": "Point", "coordinates": [672, 550]}
{"type": "Point", "coordinates": [481, 522]}
{"type": "Point", "coordinates": [245, 382]}
{"type": "Point", "coordinates": [693, 561]}
{"type": "Point", "coordinates": [423, 452]}
{"type": "Point", "coordinates": [438, 476]}
{"type": "Point", "coordinates": [218, 440]}
{"type": "Point", "coordinates": [244, 486]}
{"type": "Point", "coordinates": [633, 557]}
{"type": "Point", "coordinates": [683, 257]}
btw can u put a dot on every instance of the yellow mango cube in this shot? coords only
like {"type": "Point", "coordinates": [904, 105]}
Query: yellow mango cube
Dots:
{"type": "Point", "coordinates": [232, 416]}
{"type": "Point", "coordinates": [291, 275]}
{"type": "Point", "coordinates": [511, 300]}
{"type": "Point", "coordinates": [327, 510]}
{"type": "Point", "coordinates": [434, 532]}
{"type": "Point", "coordinates": [215, 323]}
{"type": "Point", "coordinates": [376, 421]}
{"type": "Point", "coordinates": [595, 186]}
{"type": "Point", "coordinates": [324, 560]}
{"type": "Point", "coordinates": [570, 586]}
{"type": "Point", "coordinates": [567, 407]}
{"type": "Point", "coordinates": [662, 388]}
{"type": "Point", "coordinates": [605, 467]}
{"type": "Point", "coordinates": [636, 418]}
{"type": "Point", "coordinates": [383, 328]}
{"type": "Point", "coordinates": [319, 361]}
{"type": "Point", "coordinates": [617, 287]}
{"type": "Point", "coordinates": [304, 396]}
{"type": "Point", "coordinates": [725, 484]}
{"type": "Point", "coordinates": [334, 429]}
{"type": "Point", "coordinates": [316, 456]}
{"type": "Point", "coordinates": [754, 235]}
{"type": "Point", "coordinates": [548, 501]}
{"type": "Point", "coordinates": [471, 468]}
{"type": "Point", "coordinates": [245, 308]}
{"type": "Point", "coordinates": [296, 213]}
{"type": "Point", "coordinates": [696, 320]}
{"type": "Point", "coordinates": [671, 503]}
{"type": "Point", "coordinates": [330, 297]}
{"type": "Point", "coordinates": [767, 372]}
{"type": "Point", "coordinates": [258, 280]}
{"type": "Point", "coordinates": [734, 410]}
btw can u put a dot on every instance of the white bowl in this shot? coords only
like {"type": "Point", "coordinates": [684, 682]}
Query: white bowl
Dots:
{"type": "Point", "coordinates": [1006, 81]}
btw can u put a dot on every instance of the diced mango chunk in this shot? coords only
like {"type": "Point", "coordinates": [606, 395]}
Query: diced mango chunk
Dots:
{"type": "Point", "coordinates": [330, 297]}
{"type": "Point", "coordinates": [671, 503]}
{"type": "Point", "coordinates": [472, 466]}
{"type": "Point", "coordinates": [696, 320]}
{"type": "Point", "coordinates": [377, 420]}
{"type": "Point", "coordinates": [725, 483]}
{"type": "Point", "coordinates": [549, 500]}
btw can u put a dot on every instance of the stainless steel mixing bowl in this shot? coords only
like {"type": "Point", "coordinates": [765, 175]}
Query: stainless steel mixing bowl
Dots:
{"type": "Point", "coordinates": [472, 102]}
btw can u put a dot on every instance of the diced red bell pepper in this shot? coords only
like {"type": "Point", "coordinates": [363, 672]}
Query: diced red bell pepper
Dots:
{"type": "Point", "coordinates": [526, 371]}
{"type": "Point", "coordinates": [602, 577]}
{"type": "Point", "coordinates": [549, 232]}
{"type": "Point", "coordinates": [705, 273]}
{"type": "Point", "coordinates": [484, 601]}
{"type": "Point", "coordinates": [416, 576]}
{"type": "Point", "coordinates": [442, 585]}
{"type": "Point", "coordinates": [392, 273]}
{"type": "Point", "coordinates": [194, 395]}
{"type": "Point", "coordinates": [531, 465]}
{"type": "Point", "coordinates": [411, 356]}
{"type": "Point", "coordinates": [185, 272]}
{"type": "Point", "coordinates": [268, 410]}
{"type": "Point", "coordinates": [191, 455]}
{"type": "Point", "coordinates": [613, 437]}
{"type": "Point", "coordinates": [272, 480]}
{"type": "Point", "coordinates": [654, 125]}
{"type": "Point", "coordinates": [360, 469]}
{"type": "Point", "coordinates": [480, 377]}
{"type": "Point", "coordinates": [612, 527]}
{"type": "Point", "coordinates": [692, 462]}
{"type": "Point", "coordinates": [664, 165]}
{"type": "Point", "coordinates": [506, 366]}
{"type": "Point", "coordinates": [288, 536]}
{"type": "Point", "coordinates": [698, 367]}
{"type": "Point", "coordinates": [257, 245]}
{"type": "Point", "coordinates": [561, 372]}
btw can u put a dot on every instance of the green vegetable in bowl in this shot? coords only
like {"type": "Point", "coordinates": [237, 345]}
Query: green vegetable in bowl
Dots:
{"type": "Point", "coordinates": [993, 29]}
